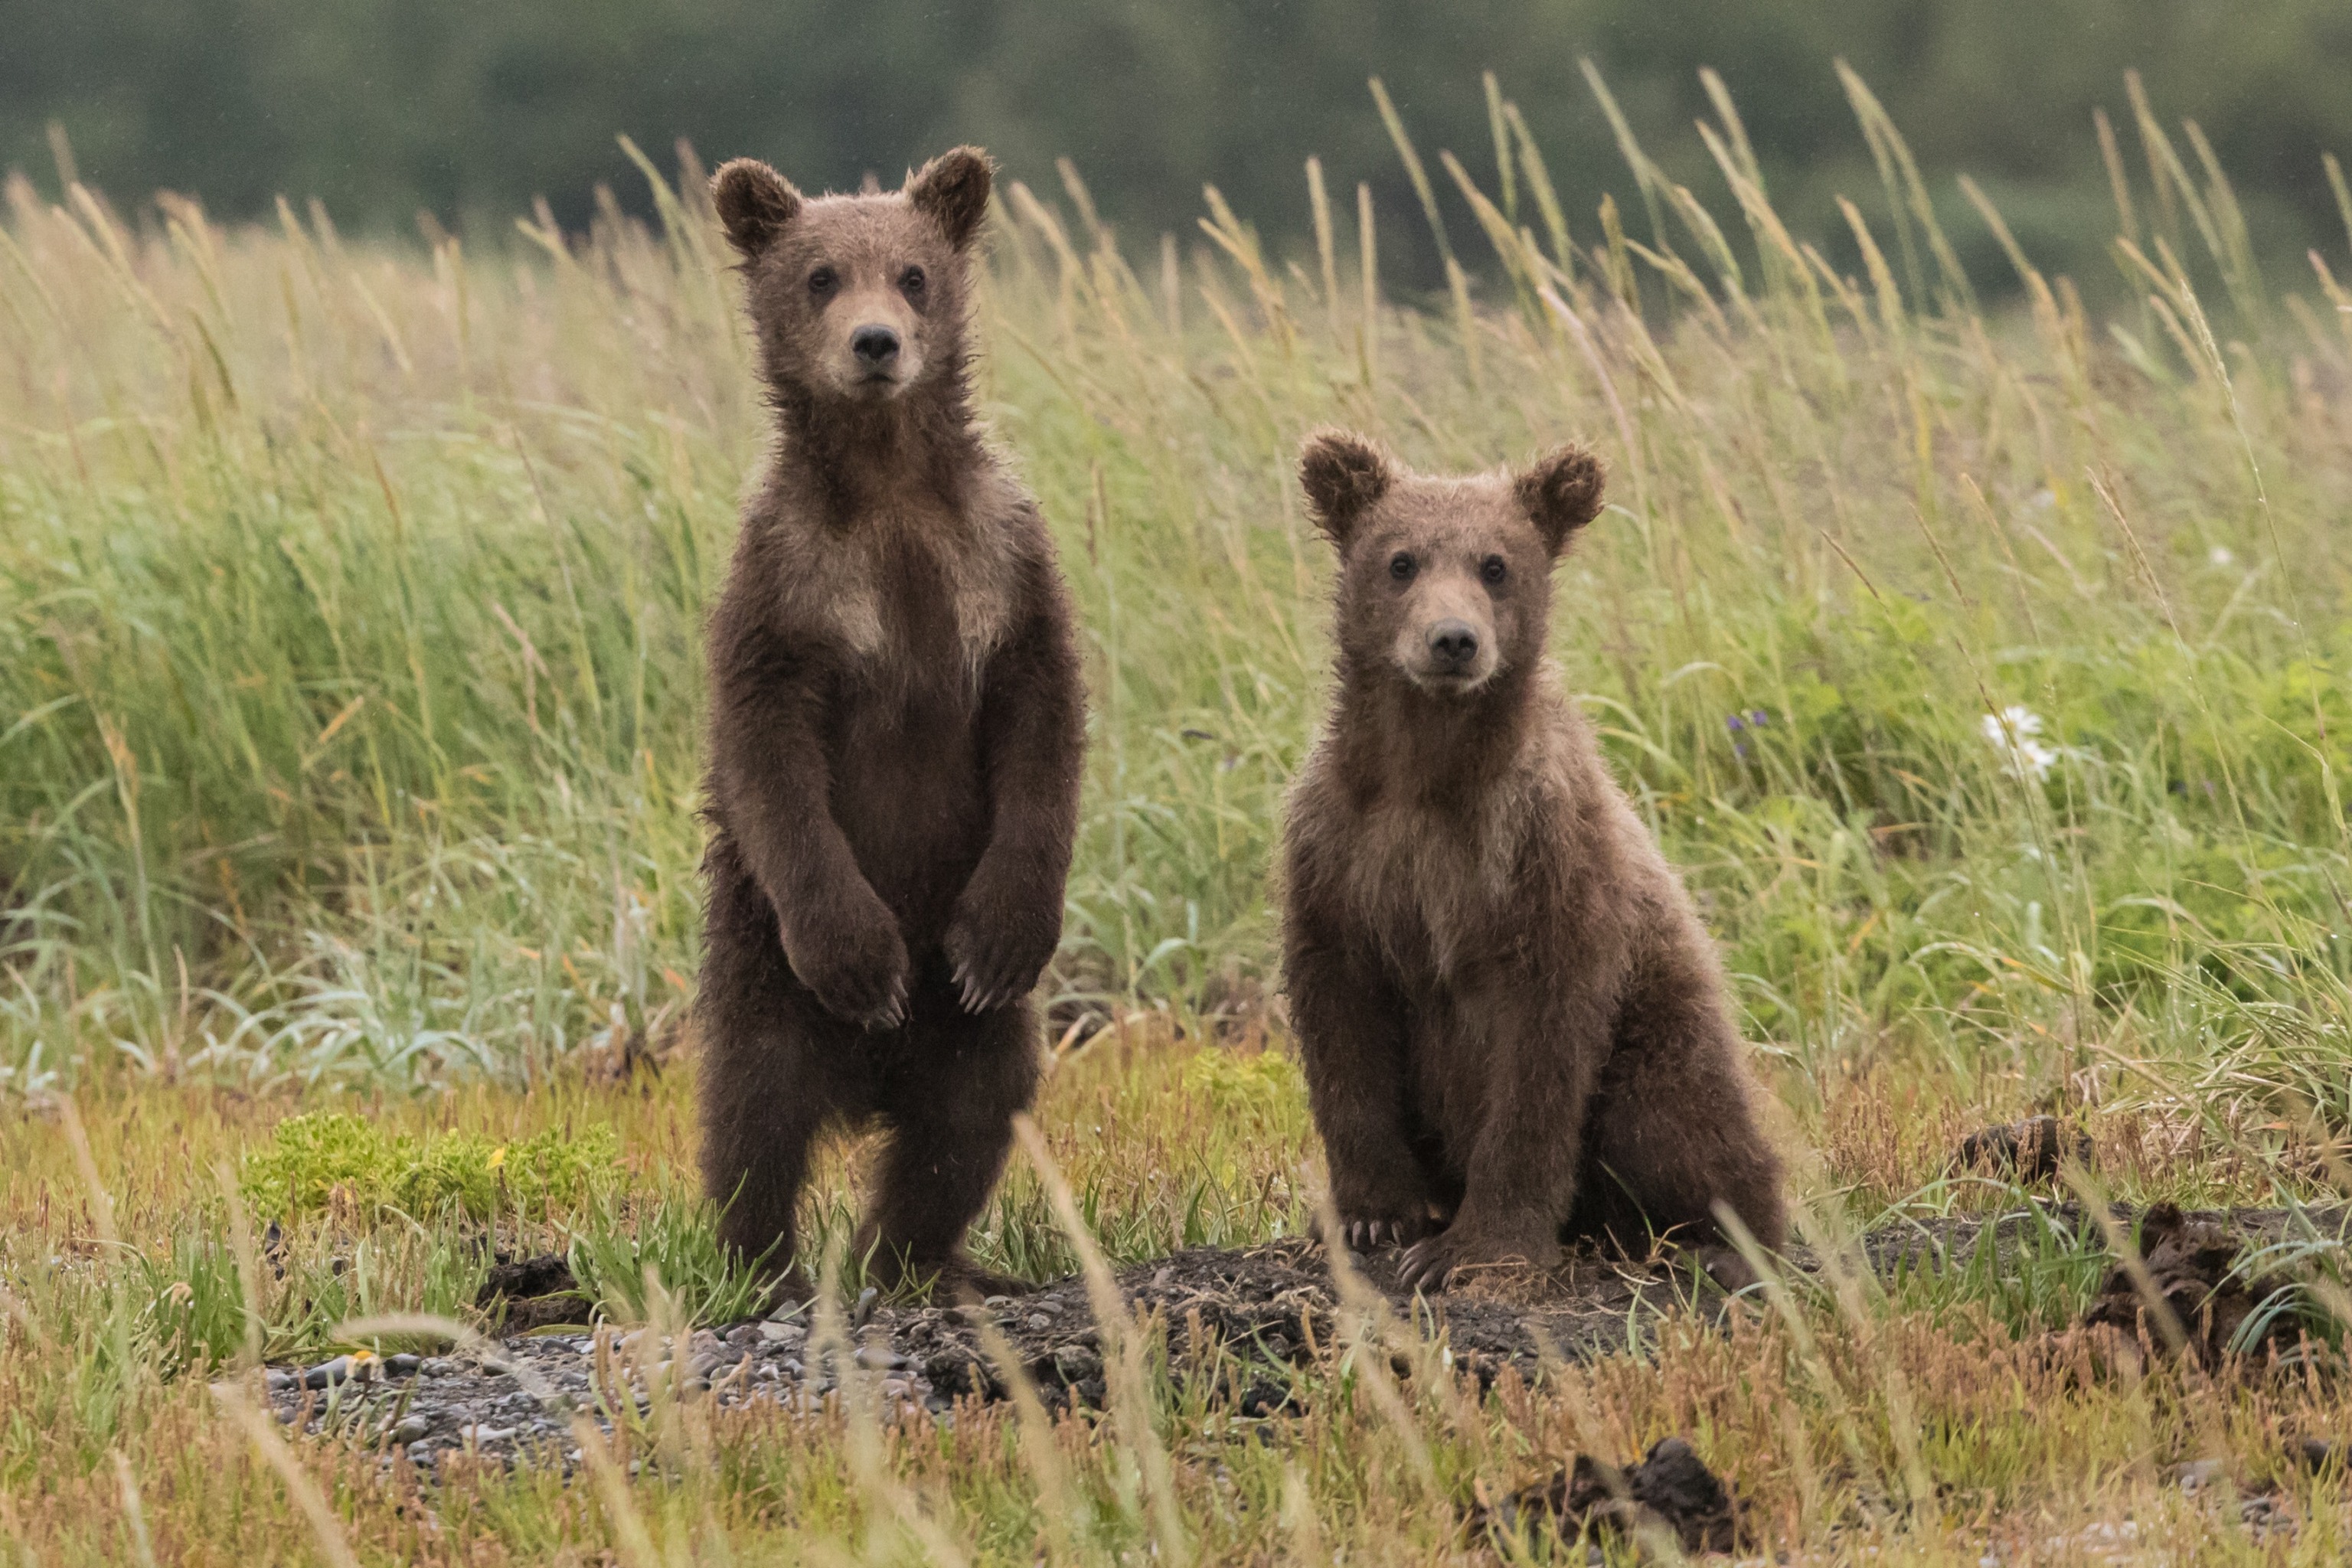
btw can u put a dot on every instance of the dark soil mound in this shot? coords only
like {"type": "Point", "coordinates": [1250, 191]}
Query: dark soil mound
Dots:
{"type": "Point", "coordinates": [525, 1295]}
{"type": "Point", "coordinates": [2197, 1289]}
{"type": "Point", "coordinates": [1269, 1309]}
{"type": "Point", "coordinates": [1670, 1492]}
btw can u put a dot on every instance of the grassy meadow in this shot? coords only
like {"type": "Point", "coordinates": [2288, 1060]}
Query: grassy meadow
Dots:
{"type": "Point", "coordinates": [1981, 660]}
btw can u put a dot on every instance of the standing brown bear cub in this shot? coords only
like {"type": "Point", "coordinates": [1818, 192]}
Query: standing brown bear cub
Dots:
{"type": "Point", "coordinates": [1514, 1024]}
{"type": "Point", "coordinates": [895, 735]}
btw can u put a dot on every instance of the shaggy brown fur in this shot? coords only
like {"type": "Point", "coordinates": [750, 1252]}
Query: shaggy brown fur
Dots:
{"type": "Point", "coordinates": [1514, 1024]}
{"type": "Point", "coordinates": [895, 735]}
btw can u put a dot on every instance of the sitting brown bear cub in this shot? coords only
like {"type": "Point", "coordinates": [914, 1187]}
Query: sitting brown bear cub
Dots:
{"type": "Point", "coordinates": [896, 736]}
{"type": "Point", "coordinates": [1514, 1024]}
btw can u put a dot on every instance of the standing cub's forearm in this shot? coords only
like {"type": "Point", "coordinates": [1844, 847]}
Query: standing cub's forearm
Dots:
{"type": "Point", "coordinates": [769, 764]}
{"type": "Point", "coordinates": [1035, 744]}
{"type": "Point", "coordinates": [1008, 921]}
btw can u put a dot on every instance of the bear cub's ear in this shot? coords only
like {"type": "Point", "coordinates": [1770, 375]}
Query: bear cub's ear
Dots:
{"type": "Point", "coordinates": [1344, 474]}
{"type": "Point", "coordinates": [1561, 492]}
{"type": "Point", "coordinates": [953, 189]}
{"type": "Point", "coordinates": [755, 202]}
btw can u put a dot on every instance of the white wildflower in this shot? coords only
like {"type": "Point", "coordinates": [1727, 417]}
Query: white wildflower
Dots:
{"type": "Point", "coordinates": [2012, 732]}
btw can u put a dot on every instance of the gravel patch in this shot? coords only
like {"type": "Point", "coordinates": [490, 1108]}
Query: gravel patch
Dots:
{"type": "Point", "coordinates": [1269, 1309]}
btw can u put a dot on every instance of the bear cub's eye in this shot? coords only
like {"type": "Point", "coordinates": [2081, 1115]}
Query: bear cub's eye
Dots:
{"type": "Point", "coordinates": [911, 280]}
{"type": "Point", "coordinates": [821, 281]}
{"type": "Point", "coordinates": [1493, 570]}
{"type": "Point", "coordinates": [1402, 566]}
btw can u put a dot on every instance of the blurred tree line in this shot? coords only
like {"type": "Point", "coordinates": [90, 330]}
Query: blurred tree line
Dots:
{"type": "Point", "coordinates": [468, 109]}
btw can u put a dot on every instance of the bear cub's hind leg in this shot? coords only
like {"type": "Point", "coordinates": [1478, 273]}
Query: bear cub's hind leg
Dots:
{"type": "Point", "coordinates": [764, 1077]}
{"type": "Point", "coordinates": [1674, 1130]}
{"type": "Point", "coordinates": [950, 1118]}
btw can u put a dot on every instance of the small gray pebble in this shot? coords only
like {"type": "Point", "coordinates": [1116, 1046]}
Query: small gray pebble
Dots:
{"type": "Point", "coordinates": [879, 1357]}
{"type": "Point", "coordinates": [277, 1377]}
{"type": "Point", "coordinates": [1038, 1323]}
{"type": "Point", "coordinates": [411, 1429]}
{"type": "Point", "coordinates": [436, 1366]}
{"type": "Point", "coordinates": [401, 1365]}
{"type": "Point", "coordinates": [995, 1301]}
{"type": "Point", "coordinates": [863, 1313]}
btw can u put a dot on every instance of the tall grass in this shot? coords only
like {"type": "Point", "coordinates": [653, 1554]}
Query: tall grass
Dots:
{"type": "Point", "coordinates": [349, 598]}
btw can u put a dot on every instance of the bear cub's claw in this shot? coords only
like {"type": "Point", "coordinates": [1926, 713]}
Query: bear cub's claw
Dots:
{"type": "Point", "coordinates": [1389, 1230]}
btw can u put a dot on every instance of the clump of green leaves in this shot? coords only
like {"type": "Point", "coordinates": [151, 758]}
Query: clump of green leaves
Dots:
{"type": "Point", "coordinates": [334, 1159]}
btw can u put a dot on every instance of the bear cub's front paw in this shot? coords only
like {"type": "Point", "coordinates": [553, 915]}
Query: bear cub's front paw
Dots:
{"type": "Point", "coordinates": [855, 963]}
{"type": "Point", "coordinates": [997, 946]}
{"type": "Point", "coordinates": [1430, 1265]}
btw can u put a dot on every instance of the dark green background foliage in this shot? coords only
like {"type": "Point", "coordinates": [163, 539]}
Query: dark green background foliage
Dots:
{"type": "Point", "coordinates": [469, 110]}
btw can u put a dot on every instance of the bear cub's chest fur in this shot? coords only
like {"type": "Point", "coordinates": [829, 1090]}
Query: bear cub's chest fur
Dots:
{"type": "Point", "coordinates": [909, 592]}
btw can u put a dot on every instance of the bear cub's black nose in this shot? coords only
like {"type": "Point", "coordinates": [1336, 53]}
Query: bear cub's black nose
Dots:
{"type": "Point", "coordinates": [1455, 643]}
{"type": "Point", "coordinates": [877, 346]}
